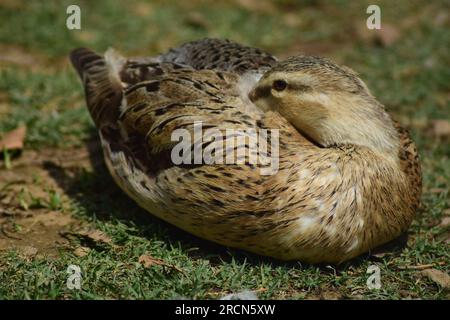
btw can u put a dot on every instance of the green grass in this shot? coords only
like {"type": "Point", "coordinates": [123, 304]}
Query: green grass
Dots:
{"type": "Point", "coordinates": [410, 77]}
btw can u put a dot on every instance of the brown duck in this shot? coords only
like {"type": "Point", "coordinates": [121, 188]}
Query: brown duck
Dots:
{"type": "Point", "coordinates": [347, 180]}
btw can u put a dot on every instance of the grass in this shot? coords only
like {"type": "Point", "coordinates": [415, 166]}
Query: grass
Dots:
{"type": "Point", "coordinates": [39, 89]}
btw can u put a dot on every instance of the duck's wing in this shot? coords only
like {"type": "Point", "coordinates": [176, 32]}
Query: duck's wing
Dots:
{"type": "Point", "coordinates": [219, 54]}
{"type": "Point", "coordinates": [211, 54]}
{"type": "Point", "coordinates": [139, 104]}
{"type": "Point", "coordinates": [102, 83]}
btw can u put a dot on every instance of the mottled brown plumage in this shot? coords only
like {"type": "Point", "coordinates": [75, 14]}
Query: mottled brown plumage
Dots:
{"type": "Point", "coordinates": [348, 179]}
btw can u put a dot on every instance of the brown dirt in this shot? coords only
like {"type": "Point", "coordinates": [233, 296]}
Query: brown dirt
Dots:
{"type": "Point", "coordinates": [37, 228]}
{"type": "Point", "coordinates": [25, 58]}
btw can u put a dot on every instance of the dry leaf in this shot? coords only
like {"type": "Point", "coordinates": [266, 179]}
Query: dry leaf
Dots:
{"type": "Point", "coordinates": [380, 254]}
{"type": "Point", "coordinates": [142, 9]}
{"type": "Point", "coordinates": [84, 35]}
{"type": "Point", "coordinates": [440, 128]}
{"type": "Point", "coordinates": [292, 19]}
{"type": "Point", "coordinates": [387, 35]}
{"type": "Point", "coordinates": [147, 261]}
{"type": "Point", "coordinates": [445, 222]}
{"type": "Point", "coordinates": [13, 140]}
{"type": "Point", "coordinates": [81, 251]}
{"type": "Point", "coordinates": [439, 277]}
{"type": "Point", "coordinates": [197, 20]}
{"type": "Point", "coordinates": [97, 236]}
{"type": "Point", "coordinates": [407, 294]}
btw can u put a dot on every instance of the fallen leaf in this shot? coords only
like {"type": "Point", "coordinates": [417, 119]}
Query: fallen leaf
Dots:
{"type": "Point", "coordinates": [142, 9]}
{"type": "Point", "coordinates": [84, 35]}
{"type": "Point", "coordinates": [147, 261]}
{"type": "Point", "coordinates": [81, 251]}
{"type": "Point", "coordinates": [380, 254]}
{"type": "Point", "coordinates": [292, 19]}
{"type": "Point", "coordinates": [407, 294]}
{"type": "Point", "coordinates": [387, 35]}
{"type": "Point", "coordinates": [13, 140]}
{"type": "Point", "coordinates": [439, 277]}
{"type": "Point", "coordinates": [440, 128]}
{"type": "Point", "coordinates": [445, 222]}
{"type": "Point", "coordinates": [197, 20]}
{"type": "Point", "coordinates": [95, 236]}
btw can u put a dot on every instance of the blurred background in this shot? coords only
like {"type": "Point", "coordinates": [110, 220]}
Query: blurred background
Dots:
{"type": "Point", "coordinates": [406, 64]}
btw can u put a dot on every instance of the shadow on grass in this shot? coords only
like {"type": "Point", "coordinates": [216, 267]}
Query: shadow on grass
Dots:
{"type": "Point", "coordinates": [99, 197]}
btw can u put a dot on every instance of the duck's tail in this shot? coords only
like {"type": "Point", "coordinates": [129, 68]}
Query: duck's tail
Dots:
{"type": "Point", "coordinates": [102, 84]}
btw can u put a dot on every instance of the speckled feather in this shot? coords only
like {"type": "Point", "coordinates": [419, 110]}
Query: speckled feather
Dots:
{"type": "Point", "coordinates": [323, 205]}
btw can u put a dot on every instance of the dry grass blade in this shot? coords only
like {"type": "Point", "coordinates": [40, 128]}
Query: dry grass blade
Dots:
{"type": "Point", "coordinates": [422, 266]}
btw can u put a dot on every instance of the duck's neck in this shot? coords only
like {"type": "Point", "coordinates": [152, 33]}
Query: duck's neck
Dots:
{"type": "Point", "coordinates": [373, 129]}
{"type": "Point", "coordinates": [380, 137]}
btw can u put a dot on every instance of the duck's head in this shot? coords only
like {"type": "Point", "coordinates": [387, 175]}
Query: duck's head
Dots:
{"type": "Point", "coordinates": [327, 103]}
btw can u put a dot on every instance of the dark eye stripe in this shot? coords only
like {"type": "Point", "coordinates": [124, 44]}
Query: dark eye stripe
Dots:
{"type": "Point", "coordinates": [261, 92]}
{"type": "Point", "coordinates": [299, 87]}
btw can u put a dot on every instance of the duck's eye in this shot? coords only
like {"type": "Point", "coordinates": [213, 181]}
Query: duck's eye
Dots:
{"type": "Point", "coordinates": [279, 85]}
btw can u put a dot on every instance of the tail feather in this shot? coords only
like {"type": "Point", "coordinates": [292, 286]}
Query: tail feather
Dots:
{"type": "Point", "coordinates": [102, 84]}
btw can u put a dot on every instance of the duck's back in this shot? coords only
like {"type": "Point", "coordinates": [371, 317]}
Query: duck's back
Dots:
{"type": "Point", "coordinates": [219, 54]}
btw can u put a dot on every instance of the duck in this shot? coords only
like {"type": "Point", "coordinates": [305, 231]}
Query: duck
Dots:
{"type": "Point", "coordinates": [347, 177]}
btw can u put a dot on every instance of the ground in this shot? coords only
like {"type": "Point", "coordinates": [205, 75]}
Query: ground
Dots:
{"type": "Point", "coordinates": [59, 206]}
